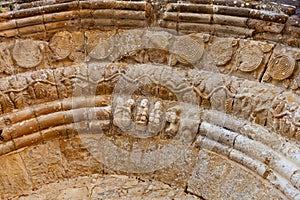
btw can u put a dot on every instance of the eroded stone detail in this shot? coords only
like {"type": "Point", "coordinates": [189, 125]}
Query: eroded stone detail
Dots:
{"type": "Point", "coordinates": [280, 68]}
{"type": "Point", "coordinates": [27, 53]}
{"type": "Point", "coordinates": [156, 118]}
{"type": "Point", "coordinates": [284, 117]}
{"type": "Point", "coordinates": [159, 114]}
{"type": "Point", "coordinates": [99, 186]}
{"type": "Point", "coordinates": [61, 45]}
{"type": "Point", "coordinates": [222, 51]}
{"type": "Point", "coordinates": [245, 58]}
{"type": "Point", "coordinates": [123, 114]}
{"type": "Point", "coordinates": [216, 171]}
{"type": "Point", "coordinates": [6, 62]}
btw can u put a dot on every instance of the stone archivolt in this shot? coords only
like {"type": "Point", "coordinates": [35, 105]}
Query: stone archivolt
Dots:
{"type": "Point", "coordinates": [237, 80]}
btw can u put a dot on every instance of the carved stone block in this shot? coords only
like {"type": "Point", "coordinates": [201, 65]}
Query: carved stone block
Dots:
{"type": "Point", "coordinates": [7, 101]}
{"type": "Point", "coordinates": [100, 45]}
{"type": "Point", "coordinates": [71, 81]}
{"type": "Point", "coordinates": [6, 62]}
{"type": "Point", "coordinates": [13, 172]}
{"type": "Point", "coordinates": [282, 69]}
{"type": "Point", "coordinates": [103, 76]}
{"type": "Point", "coordinates": [46, 166]}
{"type": "Point", "coordinates": [222, 51]}
{"type": "Point", "coordinates": [27, 53]}
{"type": "Point", "coordinates": [251, 59]}
{"type": "Point", "coordinates": [220, 172]}
{"type": "Point", "coordinates": [61, 45]}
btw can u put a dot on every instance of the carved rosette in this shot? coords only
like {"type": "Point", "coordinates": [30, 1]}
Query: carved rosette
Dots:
{"type": "Point", "coordinates": [27, 53]}
{"type": "Point", "coordinates": [187, 50]}
{"type": "Point", "coordinates": [280, 68]}
{"type": "Point", "coordinates": [61, 45]}
{"type": "Point", "coordinates": [222, 51]}
{"type": "Point", "coordinates": [249, 58]}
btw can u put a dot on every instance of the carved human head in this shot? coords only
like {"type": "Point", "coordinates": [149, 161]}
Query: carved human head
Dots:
{"type": "Point", "coordinates": [144, 102]}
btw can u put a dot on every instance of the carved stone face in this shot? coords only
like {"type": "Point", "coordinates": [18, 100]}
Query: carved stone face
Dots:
{"type": "Point", "coordinates": [157, 105]}
{"type": "Point", "coordinates": [130, 102]}
{"type": "Point", "coordinates": [144, 103]}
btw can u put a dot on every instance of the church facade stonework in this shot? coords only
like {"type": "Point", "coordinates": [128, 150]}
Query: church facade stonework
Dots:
{"type": "Point", "coordinates": [150, 99]}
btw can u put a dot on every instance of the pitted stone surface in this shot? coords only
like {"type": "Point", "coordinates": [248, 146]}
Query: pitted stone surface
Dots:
{"type": "Point", "coordinates": [106, 187]}
{"type": "Point", "coordinates": [91, 89]}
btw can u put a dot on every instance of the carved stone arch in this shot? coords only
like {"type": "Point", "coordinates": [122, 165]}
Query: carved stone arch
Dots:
{"type": "Point", "coordinates": [189, 99]}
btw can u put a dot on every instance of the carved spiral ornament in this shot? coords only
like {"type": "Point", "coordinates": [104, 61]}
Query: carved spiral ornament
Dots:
{"type": "Point", "coordinates": [281, 67]}
{"type": "Point", "coordinates": [250, 58]}
{"type": "Point", "coordinates": [188, 50]}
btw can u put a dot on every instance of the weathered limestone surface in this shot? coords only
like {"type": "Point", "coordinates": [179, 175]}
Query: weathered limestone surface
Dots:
{"type": "Point", "coordinates": [65, 160]}
{"type": "Point", "coordinates": [149, 99]}
{"type": "Point", "coordinates": [107, 187]}
{"type": "Point", "coordinates": [217, 178]}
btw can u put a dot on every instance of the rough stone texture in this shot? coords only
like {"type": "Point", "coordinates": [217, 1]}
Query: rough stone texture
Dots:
{"type": "Point", "coordinates": [106, 187]}
{"type": "Point", "coordinates": [217, 178]}
{"type": "Point", "coordinates": [197, 97]}
{"type": "Point", "coordinates": [14, 176]}
{"type": "Point", "coordinates": [65, 159]}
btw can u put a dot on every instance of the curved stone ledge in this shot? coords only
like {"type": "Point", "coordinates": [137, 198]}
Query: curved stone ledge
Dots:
{"type": "Point", "coordinates": [241, 150]}
{"type": "Point", "coordinates": [200, 95]}
{"type": "Point", "coordinates": [242, 19]}
{"type": "Point", "coordinates": [269, 160]}
{"type": "Point", "coordinates": [59, 153]}
{"type": "Point", "coordinates": [117, 186]}
{"type": "Point", "coordinates": [248, 100]}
